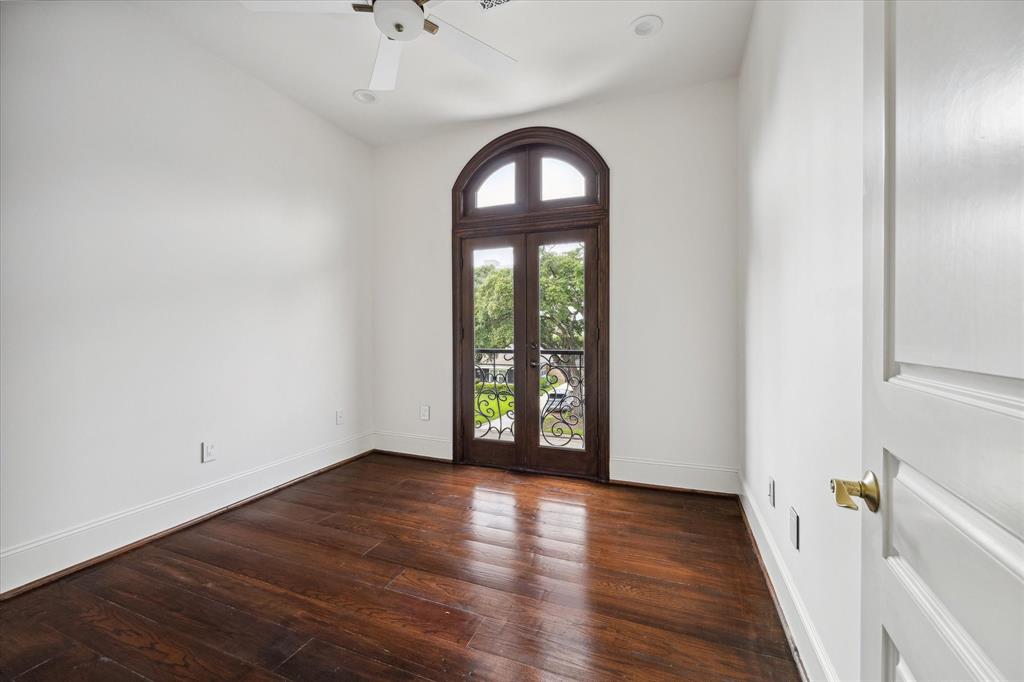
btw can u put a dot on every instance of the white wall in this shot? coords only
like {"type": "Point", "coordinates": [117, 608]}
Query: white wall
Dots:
{"type": "Point", "coordinates": [184, 258]}
{"type": "Point", "coordinates": [800, 103]}
{"type": "Point", "coordinates": [673, 282]}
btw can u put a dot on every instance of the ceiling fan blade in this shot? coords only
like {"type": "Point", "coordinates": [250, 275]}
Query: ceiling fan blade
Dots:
{"type": "Point", "coordinates": [304, 6]}
{"type": "Point", "coordinates": [385, 69]}
{"type": "Point", "coordinates": [429, 4]}
{"type": "Point", "coordinates": [476, 51]}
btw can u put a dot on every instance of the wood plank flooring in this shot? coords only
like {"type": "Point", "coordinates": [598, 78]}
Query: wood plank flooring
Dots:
{"type": "Point", "coordinates": [393, 568]}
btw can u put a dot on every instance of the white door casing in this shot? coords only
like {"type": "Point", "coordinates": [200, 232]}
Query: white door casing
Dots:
{"type": "Point", "coordinates": [943, 559]}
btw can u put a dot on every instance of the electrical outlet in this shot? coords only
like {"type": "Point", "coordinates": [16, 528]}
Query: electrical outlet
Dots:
{"type": "Point", "coordinates": [794, 528]}
{"type": "Point", "coordinates": [207, 453]}
{"type": "Point", "coordinates": [425, 413]}
{"type": "Point", "coordinates": [771, 491]}
{"type": "Point", "coordinates": [339, 417]}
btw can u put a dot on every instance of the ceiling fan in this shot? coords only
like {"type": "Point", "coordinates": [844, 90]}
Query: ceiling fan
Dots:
{"type": "Point", "coordinates": [399, 21]}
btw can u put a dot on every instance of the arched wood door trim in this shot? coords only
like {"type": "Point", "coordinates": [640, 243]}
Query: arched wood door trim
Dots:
{"type": "Point", "coordinates": [528, 215]}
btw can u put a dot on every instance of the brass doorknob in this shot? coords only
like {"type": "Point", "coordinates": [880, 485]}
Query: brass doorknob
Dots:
{"type": "Point", "coordinates": [866, 489]}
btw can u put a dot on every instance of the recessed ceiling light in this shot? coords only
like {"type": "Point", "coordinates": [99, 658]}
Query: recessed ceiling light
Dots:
{"type": "Point", "coordinates": [364, 96]}
{"type": "Point", "coordinates": [647, 25]}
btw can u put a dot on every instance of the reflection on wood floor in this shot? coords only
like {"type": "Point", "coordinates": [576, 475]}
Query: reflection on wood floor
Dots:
{"type": "Point", "coordinates": [396, 568]}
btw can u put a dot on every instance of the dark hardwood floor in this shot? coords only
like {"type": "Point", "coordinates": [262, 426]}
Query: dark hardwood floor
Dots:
{"type": "Point", "coordinates": [395, 568]}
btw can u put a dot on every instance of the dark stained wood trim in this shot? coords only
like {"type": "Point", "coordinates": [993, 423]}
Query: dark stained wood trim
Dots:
{"type": "Point", "coordinates": [528, 223]}
{"type": "Point", "coordinates": [46, 579]}
{"type": "Point", "coordinates": [582, 463]}
{"type": "Point", "coordinates": [457, 264]}
{"type": "Point", "coordinates": [518, 140]}
{"type": "Point", "coordinates": [603, 318]}
{"type": "Point", "coordinates": [491, 452]}
{"type": "Point", "coordinates": [530, 216]}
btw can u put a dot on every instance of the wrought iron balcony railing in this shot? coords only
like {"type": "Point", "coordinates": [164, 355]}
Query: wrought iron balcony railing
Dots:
{"type": "Point", "coordinates": [560, 391]}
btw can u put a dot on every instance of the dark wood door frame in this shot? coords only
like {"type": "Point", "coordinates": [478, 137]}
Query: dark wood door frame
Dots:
{"type": "Point", "coordinates": [498, 453]}
{"type": "Point", "coordinates": [528, 215]}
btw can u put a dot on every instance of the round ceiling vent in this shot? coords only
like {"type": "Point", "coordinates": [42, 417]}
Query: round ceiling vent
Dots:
{"type": "Point", "coordinates": [364, 96]}
{"type": "Point", "coordinates": [647, 25]}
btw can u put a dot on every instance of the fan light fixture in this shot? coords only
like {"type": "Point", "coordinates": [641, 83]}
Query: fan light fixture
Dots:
{"type": "Point", "coordinates": [398, 19]}
{"type": "Point", "coordinates": [647, 25]}
{"type": "Point", "coordinates": [399, 22]}
{"type": "Point", "coordinates": [364, 96]}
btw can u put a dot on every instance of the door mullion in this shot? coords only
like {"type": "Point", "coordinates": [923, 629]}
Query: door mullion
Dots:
{"type": "Point", "coordinates": [592, 387]}
{"type": "Point", "coordinates": [527, 385]}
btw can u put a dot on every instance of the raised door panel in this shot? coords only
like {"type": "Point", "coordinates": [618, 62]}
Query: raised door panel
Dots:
{"type": "Point", "coordinates": [958, 71]}
{"type": "Point", "coordinates": [958, 580]}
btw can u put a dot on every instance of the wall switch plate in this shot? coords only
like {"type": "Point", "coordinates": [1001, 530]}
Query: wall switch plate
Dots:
{"type": "Point", "coordinates": [339, 417]}
{"type": "Point", "coordinates": [794, 528]}
{"type": "Point", "coordinates": [425, 413]}
{"type": "Point", "coordinates": [771, 491]}
{"type": "Point", "coordinates": [207, 453]}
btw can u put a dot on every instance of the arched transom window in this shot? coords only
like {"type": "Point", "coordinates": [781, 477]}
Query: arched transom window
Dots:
{"type": "Point", "coordinates": [540, 174]}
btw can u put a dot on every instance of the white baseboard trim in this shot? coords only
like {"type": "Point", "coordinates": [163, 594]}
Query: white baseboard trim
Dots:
{"type": "Point", "coordinates": [412, 444]}
{"type": "Point", "coordinates": [28, 561]}
{"type": "Point", "coordinates": [816, 662]}
{"type": "Point", "coordinates": [623, 469]}
{"type": "Point", "coordinates": [708, 477]}
{"type": "Point", "coordinates": [23, 563]}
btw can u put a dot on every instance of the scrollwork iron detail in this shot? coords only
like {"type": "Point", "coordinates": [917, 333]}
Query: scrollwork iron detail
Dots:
{"type": "Point", "coordinates": [562, 397]}
{"type": "Point", "coordinates": [494, 394]}
{"type": "Point", "coordinates": [564, 401]}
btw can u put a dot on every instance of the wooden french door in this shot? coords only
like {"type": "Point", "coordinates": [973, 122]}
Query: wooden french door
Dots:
{"type": "Point", "coordinates": [529, 383]}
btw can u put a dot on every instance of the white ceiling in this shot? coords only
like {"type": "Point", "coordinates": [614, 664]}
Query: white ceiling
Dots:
{"type": "Point", "coordinates": [569, 51]}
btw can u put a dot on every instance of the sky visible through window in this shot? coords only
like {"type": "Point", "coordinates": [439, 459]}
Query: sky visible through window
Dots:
{"type": "Point", "coordinates": [502, 257]}
{"type": "Point", "coordinates": [499, 188]}
{"type": "Point", "coordinates": [559, 180]}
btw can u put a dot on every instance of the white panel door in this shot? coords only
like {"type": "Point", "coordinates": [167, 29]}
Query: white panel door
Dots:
{"type": "Point", "coordinates": [943, 558]}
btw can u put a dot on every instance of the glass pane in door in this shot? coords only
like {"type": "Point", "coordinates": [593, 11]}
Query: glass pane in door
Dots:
{"type": "Point", "coordinates": [493, 355]}
{"type": "Point", "coordinates": [561, 284]}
